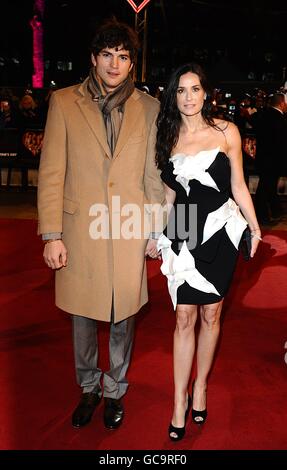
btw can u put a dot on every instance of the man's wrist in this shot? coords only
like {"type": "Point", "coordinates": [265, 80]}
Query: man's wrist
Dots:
{"type": "Point", "coordinates": [51, 240]}
{"type": "Point", "coordinates": [154, 235]}
{"type": "Point", "coordinates": [51, 236]}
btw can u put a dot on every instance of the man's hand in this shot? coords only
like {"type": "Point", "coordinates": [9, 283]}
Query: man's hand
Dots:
{"type": "Point", "coordinates": [151, 249]}
{"type": "Point", "coordinates": [55, 254]}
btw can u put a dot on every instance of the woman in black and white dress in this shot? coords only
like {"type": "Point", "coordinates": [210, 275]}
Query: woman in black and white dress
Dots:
{"type": "Point", "coordinates": [201, 163]}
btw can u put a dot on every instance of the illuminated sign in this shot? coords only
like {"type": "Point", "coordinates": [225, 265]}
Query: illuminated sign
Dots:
{"type": "Point", "coordinates": [138, 8]}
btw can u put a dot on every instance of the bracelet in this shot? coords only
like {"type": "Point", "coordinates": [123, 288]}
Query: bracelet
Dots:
{"type": "Point", "coordinates": [51, 240]}
{"type": "Point", "coordinates": [253, 235]}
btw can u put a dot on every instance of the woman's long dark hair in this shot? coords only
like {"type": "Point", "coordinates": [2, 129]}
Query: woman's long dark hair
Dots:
{"type": "Point", "coordinates": [169, 118]}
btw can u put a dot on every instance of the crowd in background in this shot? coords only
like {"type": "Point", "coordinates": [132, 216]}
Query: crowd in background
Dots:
{"type": "Point", "coordinates": [24, 109]}
{"type": "Point", "coordinates": [28, 108]}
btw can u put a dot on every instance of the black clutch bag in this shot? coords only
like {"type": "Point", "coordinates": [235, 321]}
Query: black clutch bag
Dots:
{"type": "Point", "coordinates": [245, 244]}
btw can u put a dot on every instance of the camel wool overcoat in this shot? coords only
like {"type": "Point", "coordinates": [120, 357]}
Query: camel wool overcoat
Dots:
{"type": "Point", "coordinates": [99, 202]}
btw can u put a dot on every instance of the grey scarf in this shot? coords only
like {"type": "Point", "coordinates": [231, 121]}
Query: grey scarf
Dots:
{"type": "Point", "coordinates": [111, 104]}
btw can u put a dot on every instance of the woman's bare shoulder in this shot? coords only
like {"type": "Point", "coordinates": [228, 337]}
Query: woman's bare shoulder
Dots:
{"type": "Point", "coordinates": [228, 127]}
{"type": "Point", "coordinates": [223, 125]}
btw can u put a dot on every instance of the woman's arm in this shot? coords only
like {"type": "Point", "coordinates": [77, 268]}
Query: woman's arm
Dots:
{"type": "Point", "coordinates": [170, 197]}
{"type": "Point", "coordinates": [151, 248]}
{"type": "Point", "coordinates": [238, 186]}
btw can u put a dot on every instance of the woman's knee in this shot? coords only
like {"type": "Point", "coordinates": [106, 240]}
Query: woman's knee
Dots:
{"type": "Point", "coordinates": [210, 316]}
{"type": "Point", "coordinates": [185, 318]}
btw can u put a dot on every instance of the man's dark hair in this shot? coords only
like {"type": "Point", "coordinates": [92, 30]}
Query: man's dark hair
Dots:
{"type": "Point", "coordinates": [276, 99]}
{"type": "Point", "coordinates": [113, 33]}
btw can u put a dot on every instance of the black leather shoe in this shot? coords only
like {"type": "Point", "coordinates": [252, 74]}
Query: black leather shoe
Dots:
{"type": "Point", "coordinates": [113, 413]}
{"type": "Point", "coordinates": [85, 409]}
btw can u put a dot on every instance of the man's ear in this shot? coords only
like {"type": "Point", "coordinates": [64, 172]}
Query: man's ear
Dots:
{"type": "Point", "coordinates": [131, 66]}
{"type": "Point", "coordinates": [94, 62]}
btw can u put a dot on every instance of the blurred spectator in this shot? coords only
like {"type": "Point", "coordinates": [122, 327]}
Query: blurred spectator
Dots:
{"type": "Point", "coordinates": [7, 115]}
{"type": "Point", "coordinates": [158, 93]}
{"type": "Point", "coordinates": [259, 103]}
{"type": "Point", "coordinates": [9, 94]}
{"type": "Point", "coordinates": [243, 113]}
{"type": "Point", "coordinates": [30, 116]}
{"type": "Point", "coordinates": [271, 158]}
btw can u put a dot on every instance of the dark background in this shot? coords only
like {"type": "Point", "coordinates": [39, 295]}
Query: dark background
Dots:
{"type": "Point", "coordinates": [235, 41]}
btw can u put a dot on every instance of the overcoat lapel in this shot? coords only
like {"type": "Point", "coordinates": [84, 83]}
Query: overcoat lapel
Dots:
{"type": "Point", "coordinates": [94, 118]}
{"type": "Point", "coordinates": [131, 111]}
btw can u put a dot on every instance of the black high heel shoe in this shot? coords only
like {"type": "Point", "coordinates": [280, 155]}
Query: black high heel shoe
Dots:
{"type": "Point", "coordinates": [180, 432]}
{"type": "Point", "coordinates": [198, 417]}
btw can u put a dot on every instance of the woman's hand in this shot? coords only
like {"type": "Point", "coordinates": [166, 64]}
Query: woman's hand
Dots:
{"type": "Point", "coordinates": [255, 240]}
{"type": "Point", "coordinates": [151, 249]}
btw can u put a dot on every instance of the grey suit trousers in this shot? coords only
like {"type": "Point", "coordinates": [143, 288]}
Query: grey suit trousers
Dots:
{"type": "Point", "coordinates": [86, 356]}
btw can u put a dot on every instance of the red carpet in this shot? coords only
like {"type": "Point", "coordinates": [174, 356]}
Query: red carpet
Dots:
{"type": "Point", "coordinates": [247, 387]}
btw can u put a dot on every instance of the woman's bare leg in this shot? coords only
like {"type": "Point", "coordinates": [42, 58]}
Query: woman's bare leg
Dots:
{"type": "Point", "coordinates": [183, 352]}
{"type": "Point", "coordinates": [207, 341]}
